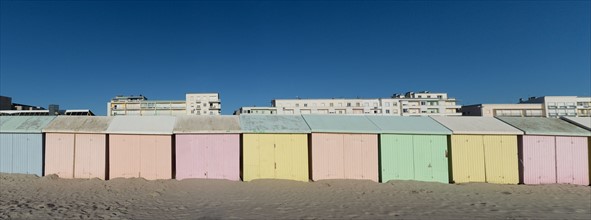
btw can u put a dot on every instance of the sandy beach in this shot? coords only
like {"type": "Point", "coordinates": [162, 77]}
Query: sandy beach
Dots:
{"type": "Point", "coordinates": [49, 197]}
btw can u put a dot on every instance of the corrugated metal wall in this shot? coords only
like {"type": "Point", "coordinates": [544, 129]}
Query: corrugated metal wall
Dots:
{"type": "Point", "coordinates": [90, 156]}
{"type": "Point", "coordinates": [414, 157]}
{"type": "Point", "coordinates": [344, 156]}
{"type": "Point", "coordinates": [208, 156]}
{"type": "Point", "coordinates": [21, 153]}
{"type": "Point", "coordinates": [430, 158]}
{"type": "Point", "coordinates": [539, 159]}
{"type": "Point", "coordinates": [146, 156]}
{"type": "Point", "coordinates": [329, 149]}
{"type": "Point", "coordinates": [275, 156]}
{"type": "Point", "coordinates": [501, 161]}
{"type": "Point", "coordinates": [397, 157]}
{"type": "Point", "coordinates": [468, 158]}
{"type": "Point", "coordinates": [571, 160]}
{"type": "Point", "coordinates": [6, 153]}
{"type": "Point", "coordinates": [59, 154]}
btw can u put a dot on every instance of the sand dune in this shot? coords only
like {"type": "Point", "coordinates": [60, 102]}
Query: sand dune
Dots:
{"type": "Point", "coordinates": [27, 196]}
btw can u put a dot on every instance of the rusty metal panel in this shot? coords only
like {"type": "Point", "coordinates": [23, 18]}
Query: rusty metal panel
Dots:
{"type": "Point", "coordinates": [90, 156]}
{"type": "Point", "coordinates": [571, 160]}
{"type": "Point", "coordinates": [538, 159]}
{"type": "Point", "coordinates": [59, 154]}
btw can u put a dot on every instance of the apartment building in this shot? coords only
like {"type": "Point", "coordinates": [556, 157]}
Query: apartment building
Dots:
{"type": "Point", "coordinates": [545, 106]}
{"type": "Point", "coordinates": [556, 106]}
{"type": "Point", "coordinates": [409, 104]}
{"type": "Point", "coordinates": [505, 110]}
{"type": "Point", "coordinates": [194, 104]}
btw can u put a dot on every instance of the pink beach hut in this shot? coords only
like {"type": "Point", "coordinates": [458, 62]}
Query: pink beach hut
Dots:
{"type": "Point", "coordinates": [141, 146]}
{"type": "Point", "coordinates": [207, 147]}
{"type": "Point", "coordinates": [343, 147]}
{"type": "Point", "coordinates": [551, 151]}
{"type": "Point", "coordinates": [76, 146]}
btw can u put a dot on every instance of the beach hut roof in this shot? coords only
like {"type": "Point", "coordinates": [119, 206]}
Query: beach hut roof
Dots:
{"type": "Point", "coordinates": [476, 125]}
{"type": "Point", "coordinates": [142, 125]}
{"type": "Point", "coordinates": [79, 124]}
{"type": "Point", "coordinates": [583, 122]}
{"type": "Point", "coordinates": [341, 124]}
{"type": "Point", "coordinates": [207, 124]}
{"type": "Point", "coordinates": [545, 126]}
{"type": "Point", "coordinates": [24, 124]}
{"type": "Point", "coordinates": [407, 125]}
{"type": "Point", "coordinates": [273, 124]}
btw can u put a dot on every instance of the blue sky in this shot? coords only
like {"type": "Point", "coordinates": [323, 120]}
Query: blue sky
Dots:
{"type": "Point", "coordinates": [80, 54]}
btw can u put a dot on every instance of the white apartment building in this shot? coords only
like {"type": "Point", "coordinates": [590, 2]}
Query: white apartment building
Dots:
{"type": "Point", "coordinates": [505, 110]}
{"type": "Point", "coordinates": [556, 106]}
{"type": "Point", "coordinates": [423, 103]}
{"type": "Point", "coordinates": [194, 104]}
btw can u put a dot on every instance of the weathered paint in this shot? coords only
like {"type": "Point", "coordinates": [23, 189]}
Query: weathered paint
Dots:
{"type": "Point", "coordinates": [208, 156]}
{"type": "Point", "coordinates": [571, 160]}
{"type": "Point", "coordinates": [359, 153]}
{"type": "Point", "coordinates": [290, 124]}
{"type": "Point", "coordinates": [539, 159]}
{"type": "Point", "coordinates": [145, 156]}
{"type": "Point", "coordinates": [545, 126]}
{"type": "Point", "coordinates": [24, 124]}
{"type": "Point", "coordinates": [583, 122]}
{"type": "Point", "coordinates": [90, 156]}
{"type": "Point", "coordinates": [340, 124]}
{"type": "Point", "coordinates": [59, 154]}
{"type": "Point", "coordinates": [430, 158]}
{"type": "Point", "coordinates": [407, 125]}
{"type": "Point", "coordinates": [476, 125]}
{"type": "Point", "coordinates": [501, 159]}
{"type": "Point", "coordinates": [397, 157]}
{"type": "Point", "coordinates": [467, 158]}
{"type": "Point", "coordinates": [275, 156]}
{"type": "Point", "coordinates": [191, 124]}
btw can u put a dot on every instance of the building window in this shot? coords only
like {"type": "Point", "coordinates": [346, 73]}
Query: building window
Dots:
{"type": "Point", "coordinates": [297, 105]}
{"type": "Point", "coordinates": [305, 104]}
{"type": "Point", "coordinates": [358, 104]}
{"type": "Point", "coordinates": [366, 104]}
{"type": "Point", "coordinates": [387, 104]}
{"type": "Point", "coordinates": [331, 104]}
{"type": "Point", "coordinates": [423, 103]}
{"type": "Point", "coordinates": [387, 111]}
{"type": "Point", "coordinates": [348, 104]}
{"type": "Point", "coordinates": [439, 96]}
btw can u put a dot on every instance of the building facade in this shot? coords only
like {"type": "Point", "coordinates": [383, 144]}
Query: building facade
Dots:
{"type": "Point", "coordinates": [557, 106]}
{"type": "Point", "coordinates": [507, 110]}
{"type": "Point", "coordinates": [409, 104]}
{"type": "Point", "coordinates": [545, 106]}
{"type": "Point", "coordinates": [194, 104]}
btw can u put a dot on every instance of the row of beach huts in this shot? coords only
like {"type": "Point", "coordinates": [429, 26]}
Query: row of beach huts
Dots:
{"type": "Point", "coordinates": [507, 150]}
